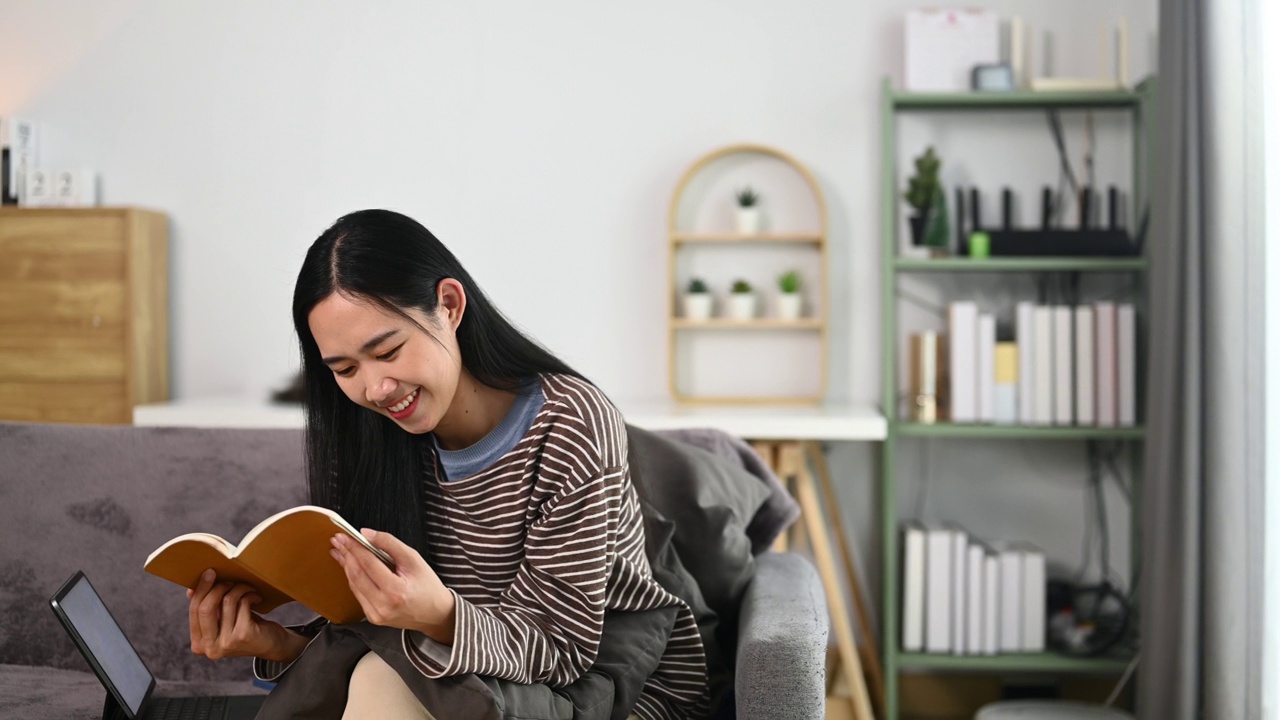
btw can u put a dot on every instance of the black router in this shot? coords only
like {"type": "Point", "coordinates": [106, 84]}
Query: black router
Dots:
{"type": "Point", "coordinates": [1046, 241]}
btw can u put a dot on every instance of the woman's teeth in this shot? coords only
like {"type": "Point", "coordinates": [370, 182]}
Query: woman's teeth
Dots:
{"type": "Point", "coordinates": [400, 406]}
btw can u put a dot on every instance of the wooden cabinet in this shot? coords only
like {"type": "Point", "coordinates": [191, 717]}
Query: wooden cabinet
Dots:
{"type": "Point", "coordinates": [84, 313]}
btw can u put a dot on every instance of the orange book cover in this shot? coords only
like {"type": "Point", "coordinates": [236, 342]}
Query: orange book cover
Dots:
{"type": "Point", "coordinates": [285, 558]}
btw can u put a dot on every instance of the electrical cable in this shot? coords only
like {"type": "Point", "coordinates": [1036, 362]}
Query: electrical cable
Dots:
{"type": "Point", "coordinates": [922, 303]}
{"type": "Point", "coordinates": [1124, 680]}
{"type": "Point", "coordinates": [1065, 170]}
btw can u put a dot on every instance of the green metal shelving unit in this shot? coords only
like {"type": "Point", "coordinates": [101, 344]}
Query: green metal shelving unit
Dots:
{"type": "Point", "coordinates": [893, 103]}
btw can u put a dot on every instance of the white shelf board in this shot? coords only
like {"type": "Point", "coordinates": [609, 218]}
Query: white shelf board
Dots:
{"type": "Point", "coordinates": [823, 422]}
{"type": "Point", "coordinates": [235, 411]}
{"type": "Point", "coordinates": [830, 421]}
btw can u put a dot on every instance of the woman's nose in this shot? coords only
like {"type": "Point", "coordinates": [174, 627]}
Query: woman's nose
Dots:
{"type": "Point", "coordinates": [380, 391]}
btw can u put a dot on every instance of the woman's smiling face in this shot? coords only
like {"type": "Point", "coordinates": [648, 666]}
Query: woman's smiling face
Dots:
{"type": "Point", "coordinates": [388, 364]}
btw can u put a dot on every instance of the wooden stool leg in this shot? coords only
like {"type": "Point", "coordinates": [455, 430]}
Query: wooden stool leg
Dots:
{"type": "Point", "coordinates": [791, 459]}
{"type": "Point", "coordinates": [769, 453]}
{"type": "Point", "coordinates": [868, 649]}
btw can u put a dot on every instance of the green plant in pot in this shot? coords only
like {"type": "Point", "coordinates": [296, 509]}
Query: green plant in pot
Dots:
{"type": "Point", "coordinates": [697, 300]}
{"type": "Point", "coordinates": [748, 210]}
{"type": "Point", "coordinates": [789, 301]}
{"type": "Point", "coordinates": [742, 301]}
{"type": "Point", "coordinates": [929, 226]}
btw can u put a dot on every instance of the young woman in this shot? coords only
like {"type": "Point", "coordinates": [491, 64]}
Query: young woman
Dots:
{"type": "Point", "coordinates": [495, 476]}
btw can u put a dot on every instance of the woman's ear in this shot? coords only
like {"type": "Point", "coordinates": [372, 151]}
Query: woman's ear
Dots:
{"type": "Point", "coordinates": [451, 301]}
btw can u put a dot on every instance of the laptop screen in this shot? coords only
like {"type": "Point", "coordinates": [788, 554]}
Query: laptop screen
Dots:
{"type": "Point", "coordinates": [106, 643]}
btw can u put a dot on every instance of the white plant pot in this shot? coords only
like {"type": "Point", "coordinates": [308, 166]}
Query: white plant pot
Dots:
{"type": "Point", "coordinates": [697, 306]}
{"type": "Point", "coordinates": [748, 219]}
{"type": "Point", "coordinates": [790, 306]}
{"type": "Point", "coordinates": [742, 306]}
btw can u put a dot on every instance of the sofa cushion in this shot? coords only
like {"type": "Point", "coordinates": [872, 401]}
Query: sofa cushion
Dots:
{"type": "Point", "coordinates": [100, 499]}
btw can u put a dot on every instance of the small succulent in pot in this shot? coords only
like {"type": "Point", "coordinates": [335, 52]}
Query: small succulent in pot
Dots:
{"type": "Point", "coordinates": [747, 216]}
{"type": "Point", "coordinates": [790, 303]}
{"type": "Point", "coordinates": [697, 300]}
{"type": "Point", "coordinates": [742, 303]}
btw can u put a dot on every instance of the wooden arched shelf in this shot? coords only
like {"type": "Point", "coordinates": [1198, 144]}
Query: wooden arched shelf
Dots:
{"type": "Point", "coordinates": [678, 238]}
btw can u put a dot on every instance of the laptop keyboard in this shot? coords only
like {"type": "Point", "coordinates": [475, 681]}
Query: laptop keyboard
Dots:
{"type": "Point", "coordinates": [190, 708]}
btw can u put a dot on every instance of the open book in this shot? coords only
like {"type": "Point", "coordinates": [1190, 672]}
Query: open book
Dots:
{"type": "Point", "coordinates": [285, 558]}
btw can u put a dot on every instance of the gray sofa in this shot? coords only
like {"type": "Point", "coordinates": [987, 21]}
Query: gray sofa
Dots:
{"type": "Point", "coordinates": [101, 499]}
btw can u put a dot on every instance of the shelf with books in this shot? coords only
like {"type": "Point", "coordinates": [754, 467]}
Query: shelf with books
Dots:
{"type": "Point", "coordinates": [1022, 264]}
{"type": "Point", "coordinates": [1017, 432]}
{"type": "Point", "coordinates": [1119, 281]}
{"type": "Point", "coordinates": [1015, 663]}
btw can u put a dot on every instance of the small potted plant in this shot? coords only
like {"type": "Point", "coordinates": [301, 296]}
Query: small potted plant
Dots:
{"type": "Point", "coordinates": [742, 301]}
{"type": "Point", "coordinates": [929, 226]}
{"type": "Point", "coordinates": [697, 300]}
{"type": "Point", "coordinates": [748, 215]}
{"type": "Point", "coordinates": [789, 300]}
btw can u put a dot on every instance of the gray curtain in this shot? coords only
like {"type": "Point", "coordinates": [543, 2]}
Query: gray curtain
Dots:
{"type": "Point", "coordinates": [1202, 500]}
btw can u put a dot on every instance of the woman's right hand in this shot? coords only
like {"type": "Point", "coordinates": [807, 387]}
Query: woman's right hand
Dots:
{"type": "Point", "coordinates": [224, 625]}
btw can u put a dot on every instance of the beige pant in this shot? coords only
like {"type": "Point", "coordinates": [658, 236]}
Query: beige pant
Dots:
{"type": "Point", "coordinates": [376, 692]}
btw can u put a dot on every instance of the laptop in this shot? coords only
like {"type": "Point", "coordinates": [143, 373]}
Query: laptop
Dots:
{"type": "Point", "coordinates": [128, 681]}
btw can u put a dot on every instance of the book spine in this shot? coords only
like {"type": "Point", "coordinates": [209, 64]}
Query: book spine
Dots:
{"type": "Point", "coordinates": [975, 608]}
{"type": "Point", "coordinates": [1043, 391]}
{"type": "Point", "coordinates": [1086, 393]}
{"type": "Point", "coordinates": [1006, 383]}
{"type": "Point", "coordinates": [1010, 600]}
{"type": "Point", "coordinates": [1126, 365]}
{"type": "Point", "coordinates": [913, 558]}
{"type": "Point", "coordinates": [1033, 601]}
{"type": "Point", "coordinates": [991, 604]}
{"type": "Point", "coordinates": [959, 595]}
{"type": "Point", "coordinates": [963, 331]}
{"type": "Point", "coordinates": [1104, 347]}
{"type": "Point", "coordinates": [986, 368]}
{"type": "Point", "coordinates": [937, 591]}
{"type": "Point", "coordinates": [1024, 332]}
{"type": "Point", "coordinates": [1063, 355]}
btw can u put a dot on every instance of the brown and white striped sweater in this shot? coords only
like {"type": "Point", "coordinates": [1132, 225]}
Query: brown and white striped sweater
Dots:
{"type": "Point", "coordinates": [538, 545]}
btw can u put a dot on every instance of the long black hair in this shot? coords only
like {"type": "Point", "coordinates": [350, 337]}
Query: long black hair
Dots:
{"type": "Point", "coordinates": [360, 463]}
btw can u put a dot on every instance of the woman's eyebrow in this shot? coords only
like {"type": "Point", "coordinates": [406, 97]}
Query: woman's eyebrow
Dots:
{"type": "Point", "coordinates": [374, 342]}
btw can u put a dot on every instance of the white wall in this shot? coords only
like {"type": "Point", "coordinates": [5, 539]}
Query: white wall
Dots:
{"type": "Point", "coordinates": [541, 141]}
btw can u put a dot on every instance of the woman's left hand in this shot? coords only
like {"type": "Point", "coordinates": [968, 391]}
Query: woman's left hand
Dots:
{"type": "Point", "coordinates": [411, 597]}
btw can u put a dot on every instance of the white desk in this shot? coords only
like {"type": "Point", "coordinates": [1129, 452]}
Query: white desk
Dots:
{"type": "Point", "coordinates": [824, 422]}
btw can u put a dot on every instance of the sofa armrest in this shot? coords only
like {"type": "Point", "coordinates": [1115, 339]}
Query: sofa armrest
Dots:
{"type": "Point", "coordinates": [782, 642]}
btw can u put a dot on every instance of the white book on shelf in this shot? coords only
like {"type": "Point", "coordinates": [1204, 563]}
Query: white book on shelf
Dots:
{"type": "Point", "coordinates": [986, 368]}
{"type": "Point", "coordinates": [1126, 365]}
{"type": "Point", "coordinates": [913, 574]}
{"type": "Point", "coordinates": [1063, 355]}
{"type": "Point", "coordinates": [962, 352]}
{"type": "Point", "coordinates": [1010, 599]}
{"type": "Point", "coordinates": [1085, 391]}
{"type": "Point", "coordinates": [937, 589]}
{"type": "Point", "coordinates": [975, 604]}
{"type": "Point", "coordinates": [1104, 368]}
{"type": "Point", "coordinates": [1043, 371]}
{"type": "Point", "coordinates": [991, 603]}
{"type": "Point", "coordinates": [1024, 335]}
{"type": "Point", "coordinates": [1033, 599]}
{"type": "Point", "coordinates": [959, 593]}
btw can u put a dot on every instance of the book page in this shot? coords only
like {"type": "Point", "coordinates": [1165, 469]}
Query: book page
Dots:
{"type": "Point", "coordinates": [292, 549]}
{"type": "Point", "coordinates": [183, 559]}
